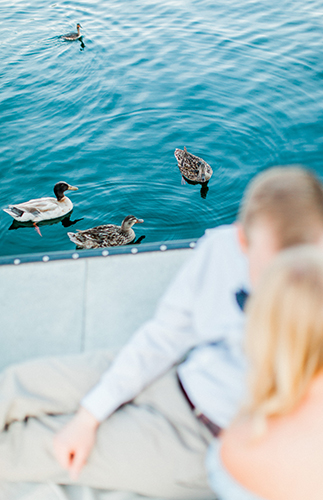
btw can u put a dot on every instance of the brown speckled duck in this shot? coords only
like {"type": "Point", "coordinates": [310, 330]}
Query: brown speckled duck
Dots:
{"type": "Point", "coordinates": [108, 235]}
{"type": "Point", "coordinates": [192, 167]}
{"type": "Point", "coordinates": [70, 37]}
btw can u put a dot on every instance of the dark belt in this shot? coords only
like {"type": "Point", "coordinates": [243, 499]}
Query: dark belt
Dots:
{"type": "Point", "coordinates": [211, 426]}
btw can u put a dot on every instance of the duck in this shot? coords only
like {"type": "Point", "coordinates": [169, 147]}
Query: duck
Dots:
{"type": "Point", "coordinates": [41, 209]}
{"type": "Point", "coordinates": [73, 36]}
{"type": "Point", "coordinates": [107, 235]}
{"type": "Point", "coordinates": [192, 167]}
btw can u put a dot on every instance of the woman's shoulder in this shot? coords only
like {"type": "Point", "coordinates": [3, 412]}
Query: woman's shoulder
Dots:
{"type": "Point", "coordinates": [221, 481]}
{"type": "Point", "coordinates": [285, 462]}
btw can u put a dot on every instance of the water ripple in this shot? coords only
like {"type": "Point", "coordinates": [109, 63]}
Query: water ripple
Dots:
{"type": "Point", "coordinates": [237, 84]}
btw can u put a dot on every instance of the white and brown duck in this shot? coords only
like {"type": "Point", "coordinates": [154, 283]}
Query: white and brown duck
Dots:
{"type": "Point", "coordinates": [192, 167]}
{"type": "Point", "coordinates": [107, 235]}
{"type": "Point", "coordinates": [70, 37]}
{"type": "Point", "coordinates": [43, 209]}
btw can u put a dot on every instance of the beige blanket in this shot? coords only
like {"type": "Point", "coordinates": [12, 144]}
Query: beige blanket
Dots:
{"type": "Point", "coordinates": [49, 491]}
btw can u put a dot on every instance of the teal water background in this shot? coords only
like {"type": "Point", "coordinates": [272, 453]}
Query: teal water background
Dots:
{"type": "Point", "coordinates": [238, 83]}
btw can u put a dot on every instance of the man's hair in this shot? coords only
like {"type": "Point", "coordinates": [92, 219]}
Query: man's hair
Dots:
{"type": "Point", "coordinates": [285, 333]}
{"type": "Point", "coordinates": [290, 199]}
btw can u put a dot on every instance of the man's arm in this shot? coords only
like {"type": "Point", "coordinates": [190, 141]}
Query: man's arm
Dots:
{"type": "Point", "coordinates": [155, 347]}
{"type": "Point", "coordinates": [73, 444]}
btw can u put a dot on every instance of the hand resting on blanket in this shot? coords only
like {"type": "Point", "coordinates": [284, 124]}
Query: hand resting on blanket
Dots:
{"type": "Point", "coordinates": [73, 444]}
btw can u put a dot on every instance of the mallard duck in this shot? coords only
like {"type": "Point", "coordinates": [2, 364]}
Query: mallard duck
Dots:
{"type": "Point", "coordinates": [42, 209]}
{"type": "Point", "coordinates": [192, 167]}
{"type": "Point", "coordinates": [108, 235]}
{"type": "Point", "coordinates": [73, 36]}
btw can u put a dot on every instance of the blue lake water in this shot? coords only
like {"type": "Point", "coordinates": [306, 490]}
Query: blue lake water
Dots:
{"type": "Point", "coordinates": [238, 83]}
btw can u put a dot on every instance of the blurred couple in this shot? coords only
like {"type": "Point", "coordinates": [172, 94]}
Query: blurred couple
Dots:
{"type": "Point", "coordinates": [200, 403]}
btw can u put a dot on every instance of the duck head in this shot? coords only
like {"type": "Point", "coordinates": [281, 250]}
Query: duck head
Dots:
{"type": "Point", "coordinates": [202, 171]}
{"type": "Point", "coordinates": [61, 187]}
{"type": "Point", "coordinates": [129, 221]}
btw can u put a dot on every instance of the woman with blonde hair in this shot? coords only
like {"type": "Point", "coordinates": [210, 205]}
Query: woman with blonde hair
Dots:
{"type": "Point", "coordinates": [274, 448]}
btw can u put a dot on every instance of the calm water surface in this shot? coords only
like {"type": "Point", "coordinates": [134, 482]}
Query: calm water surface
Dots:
{"type": "Point", "coordinates": [238, 83]}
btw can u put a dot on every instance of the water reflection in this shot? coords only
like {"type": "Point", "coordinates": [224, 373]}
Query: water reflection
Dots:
{"type": "Point", "coordinates": [204, 186]}
{"type": "Point", "coordinates": [138, 241]}
{"type": "Point", "coordinates": [65, 220]}
{"type": "Point", "coordinates": [82, 44]}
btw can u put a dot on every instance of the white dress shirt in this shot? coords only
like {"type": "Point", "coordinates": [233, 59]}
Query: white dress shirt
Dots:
{"type": "Point", "coordinates": [199, 318]}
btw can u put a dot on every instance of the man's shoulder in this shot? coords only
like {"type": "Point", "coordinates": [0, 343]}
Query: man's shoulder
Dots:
{"type": "Point", "coordinates": [220, 248]}
{"type": "Point", "coordinates": [221, 231]}
{"type": "Point", "coordinates": [220, 236]}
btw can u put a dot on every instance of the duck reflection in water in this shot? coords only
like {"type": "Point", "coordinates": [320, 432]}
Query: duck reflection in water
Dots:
{"type": "Point", "coordinates": [65, 220]}
{"type": "Point", "coordinates": [194, 170]}
{"type": "Point", "coordinates": [138, 241]}
{"type": "Point", "coordinates": [204, 186]}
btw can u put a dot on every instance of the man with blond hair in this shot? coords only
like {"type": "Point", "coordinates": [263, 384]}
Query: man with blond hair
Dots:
{"type": "Point", "coordinates": [143, 421]}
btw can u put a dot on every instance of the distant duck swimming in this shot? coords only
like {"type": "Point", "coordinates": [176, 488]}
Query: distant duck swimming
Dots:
{"type": "Point", "coordinates": [73, 36]}
{"type": "Point", "coordinates": [192, 167]}
{"type": "Point", "coordinates": [42, 209]}
{"type": "Point", "coordinates": [108, 235]}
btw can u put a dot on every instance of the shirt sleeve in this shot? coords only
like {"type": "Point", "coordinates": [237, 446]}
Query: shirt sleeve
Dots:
{"type": "Point", "coordinates": [157, 345]}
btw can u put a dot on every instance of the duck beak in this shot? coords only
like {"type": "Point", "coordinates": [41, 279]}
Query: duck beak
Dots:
{"type": "Point", "coordinates": [72, 188]}
{"type": "Point", "coordinates": [203, 178]}
{"type": "Point", "coordinates": [140, 221]}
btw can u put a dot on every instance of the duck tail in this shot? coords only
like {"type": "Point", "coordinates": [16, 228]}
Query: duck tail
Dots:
{"type": "Point", "coordinates": [13, 211]}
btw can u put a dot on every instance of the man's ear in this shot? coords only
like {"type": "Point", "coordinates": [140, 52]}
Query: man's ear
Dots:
{"type": "Point", "coordinates": [242, 238]}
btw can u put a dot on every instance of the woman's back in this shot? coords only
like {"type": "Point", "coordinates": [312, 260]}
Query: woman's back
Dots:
{"type": "Point", "coordinates": [286, 463]}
